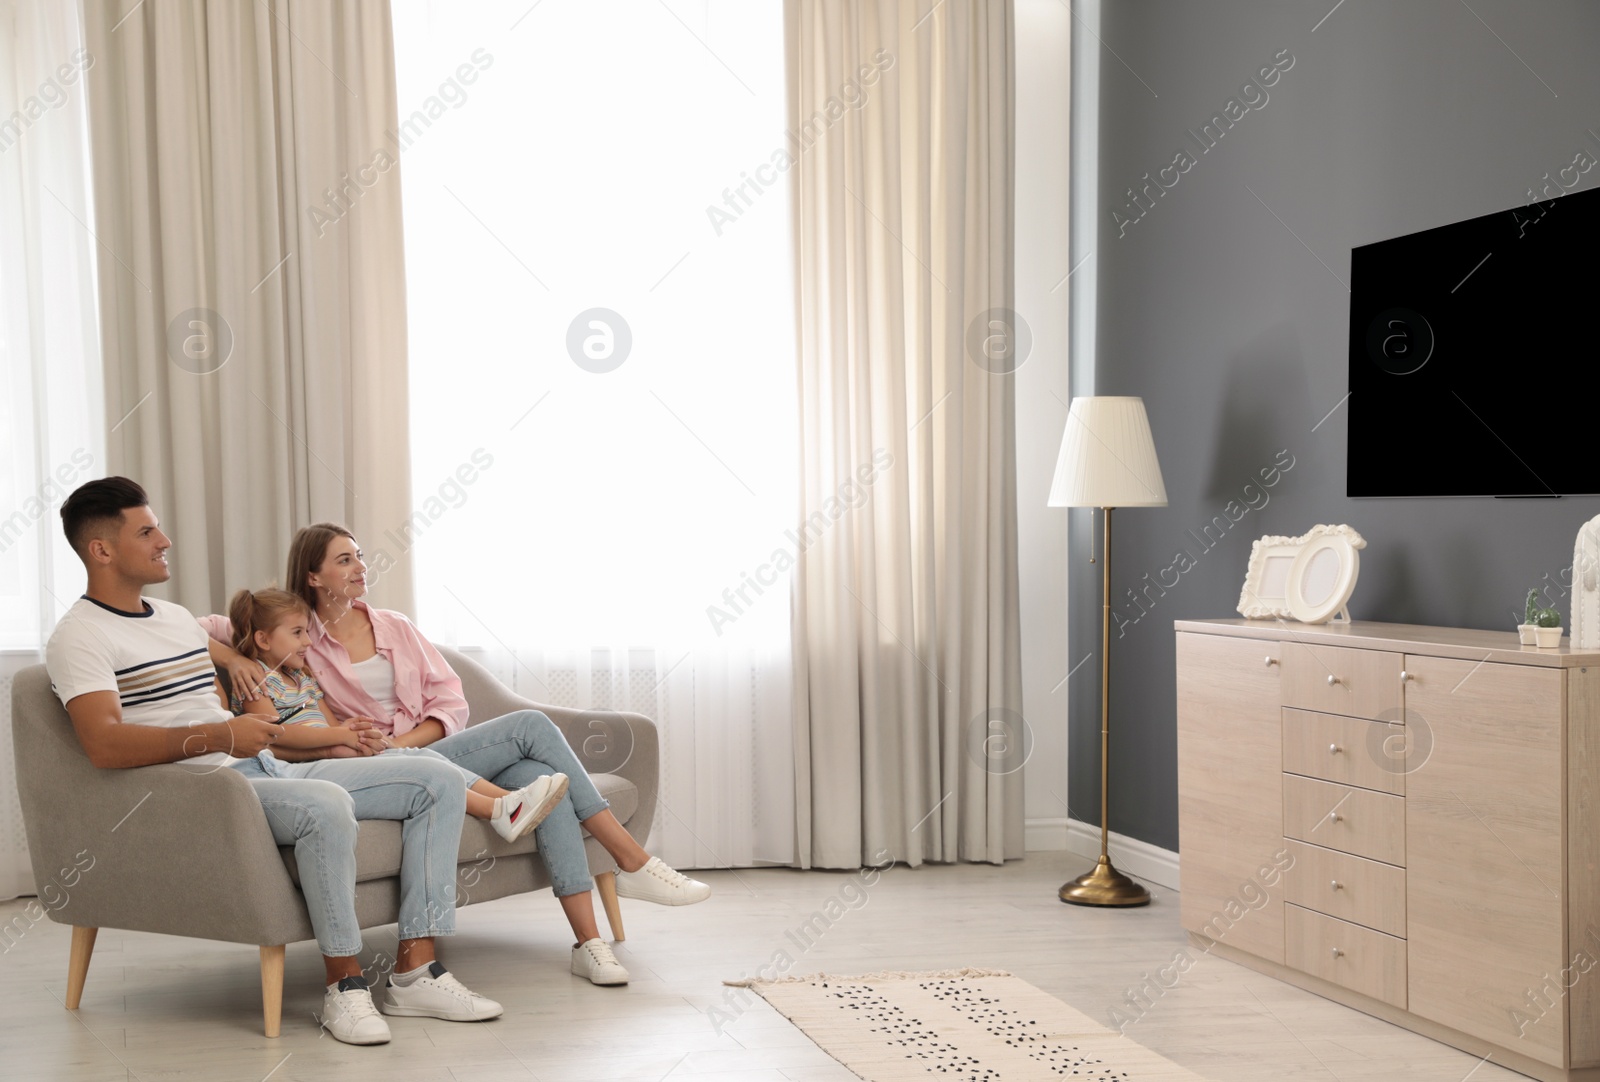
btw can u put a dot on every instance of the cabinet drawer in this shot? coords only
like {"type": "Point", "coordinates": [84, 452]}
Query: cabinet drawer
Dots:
{"type": "Point", "coordinates": [1348, 887]}
{"type": "Point", "coordinates": [1340, 680]}
{"type": "Point", "coordinates": [1348, 751]}
{"type": "Point", "coordinates": [1353, 957]}
{"type": "Point", "coordinates": [1345, 818]}
{"type": "Point", "coordinates": [1351, 888]}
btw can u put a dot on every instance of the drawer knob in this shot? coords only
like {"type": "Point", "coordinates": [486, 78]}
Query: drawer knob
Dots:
{"type": "Point", "coordinates": [1337, 885]}
{"type": "Point", "coordinates": [1333, 749]}
{"type": "Point", "coordinates": [1332, 680]}
{"type": "Point", "coordinates": [1334, 817]}
{"type": "Point", "coordinates": [1337, 953]}
{"type": "Point", "coordinates": [1271, 661]}
{"type": "Point", "coordinates": [1404, 676]}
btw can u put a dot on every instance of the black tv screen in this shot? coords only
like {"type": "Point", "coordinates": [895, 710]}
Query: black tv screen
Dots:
{"type": "Point", "coordinates": [1473, 356]}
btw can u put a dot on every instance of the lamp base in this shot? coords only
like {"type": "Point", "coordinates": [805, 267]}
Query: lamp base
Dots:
{"type": "Point", "coordinates": [1104, 886]}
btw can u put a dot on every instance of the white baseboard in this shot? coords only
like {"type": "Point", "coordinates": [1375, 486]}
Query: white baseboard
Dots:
{"type": "Point", "coordinates": [1138, 859]}
{"type": "Point", "coordinates": [1045, 835]}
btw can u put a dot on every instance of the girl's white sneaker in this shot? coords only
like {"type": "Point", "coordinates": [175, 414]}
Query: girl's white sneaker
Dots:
{"type": "Point", "coordinates": [529, 806]}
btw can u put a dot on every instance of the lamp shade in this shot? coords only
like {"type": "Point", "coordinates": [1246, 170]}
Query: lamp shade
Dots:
{"type": "Point", "coordinates": [1108, 457]}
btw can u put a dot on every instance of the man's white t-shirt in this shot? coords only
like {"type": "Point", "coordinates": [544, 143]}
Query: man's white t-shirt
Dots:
{"type": "Point", "coordinates": [156, 661]}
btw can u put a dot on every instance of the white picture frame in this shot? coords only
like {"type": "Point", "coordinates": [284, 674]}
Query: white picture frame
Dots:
{"type": "Point", "coordinates": [1324, 576]}
{"type": "Point", "coordinates": [1267, 580]}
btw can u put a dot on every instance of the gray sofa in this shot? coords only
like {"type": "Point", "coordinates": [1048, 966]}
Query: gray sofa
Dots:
{"type": "Point", "coordinates": [183, 850]}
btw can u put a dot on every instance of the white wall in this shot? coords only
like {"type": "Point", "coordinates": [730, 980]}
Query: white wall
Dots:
{"type": "Point", "coordinates": [1043, 104]}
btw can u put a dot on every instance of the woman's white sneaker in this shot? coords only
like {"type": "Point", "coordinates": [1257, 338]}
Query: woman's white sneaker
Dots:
{"type": "Point", "coordinates": [593, 960]}
{"type": "Point", "coordinates": [529, 806]}
{"type": "Point", "coordinates": [348, 1013]}
{"type": "Point", "coordinates": [437, 994]}
{"type": "Point", "coordinates": [657, 882]}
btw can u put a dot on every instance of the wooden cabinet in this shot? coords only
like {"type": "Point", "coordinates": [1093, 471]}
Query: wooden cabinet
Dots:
{"type": "Point", "coordinates": [1433, 798]}
{"type": "Point", "coordinates": [1484, 826]}
{"type": "Point", "coordinates": [1228, 728]}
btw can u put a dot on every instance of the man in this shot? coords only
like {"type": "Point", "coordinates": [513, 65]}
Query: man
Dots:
{"type": "Point", "coordinates": [136, 679]}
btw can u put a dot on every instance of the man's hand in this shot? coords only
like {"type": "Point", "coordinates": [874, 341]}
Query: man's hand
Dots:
{"type": "Point", "coordinates": [252, 733]}
{"type": "Point", "coordinates": [245, 675]}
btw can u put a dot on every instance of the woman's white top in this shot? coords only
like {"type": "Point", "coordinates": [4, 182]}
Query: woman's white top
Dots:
{"type": "Point", "coordinates": [377, 678]}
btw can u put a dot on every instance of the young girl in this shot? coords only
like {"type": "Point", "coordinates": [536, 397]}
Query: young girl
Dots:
{"type": "Point", "coordinates": [270, 626]}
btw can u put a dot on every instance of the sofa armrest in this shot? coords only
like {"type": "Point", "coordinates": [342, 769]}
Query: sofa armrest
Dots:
{"type": "Point", "coordinates": [177, 849]}
{"type": "Point", "coordinates": [606, 741]}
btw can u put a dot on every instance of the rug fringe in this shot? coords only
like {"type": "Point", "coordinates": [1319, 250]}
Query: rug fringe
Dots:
{"type": "Point", "coordinates": [885, 975]}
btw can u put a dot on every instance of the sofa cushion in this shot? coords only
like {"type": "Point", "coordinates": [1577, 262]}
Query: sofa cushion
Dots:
{"type": "Point", "coordinates": [378, 842]}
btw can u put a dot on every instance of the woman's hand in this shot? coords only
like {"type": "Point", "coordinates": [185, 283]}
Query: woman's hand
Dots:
{"type": "Point", "coordinates": [430, 730]}
{"type": "Point", "coordinates": [363, 741]}
{"type": "Point", "coordinates": [373, 739]}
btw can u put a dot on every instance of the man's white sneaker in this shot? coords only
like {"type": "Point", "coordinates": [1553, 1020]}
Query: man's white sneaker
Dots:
{"type": "Point", "coordinates": [437, 994]}
{"type": "Point", "coordinates": [656, 882]}
{"type": "Point", "coordinates": [348, 1014]}
{"type": "Point", "coordinates": [594, 961]}
{"type": "Point", "coordinates": [529, 806]}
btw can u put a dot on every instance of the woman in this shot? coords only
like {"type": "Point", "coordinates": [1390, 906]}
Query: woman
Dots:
{"type": "Point", "coordinates": [373, 663]}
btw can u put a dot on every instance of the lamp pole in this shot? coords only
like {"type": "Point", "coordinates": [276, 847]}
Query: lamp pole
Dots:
{"type": "Point", "coordinates": [1105, 885]}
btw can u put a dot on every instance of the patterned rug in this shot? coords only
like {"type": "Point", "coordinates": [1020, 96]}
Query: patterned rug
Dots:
{"type": "Point", "coordinates": [966, 1025]}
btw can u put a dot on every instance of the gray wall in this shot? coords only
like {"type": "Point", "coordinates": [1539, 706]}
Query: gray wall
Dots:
{"type": "Point", "coordinates": [1395, 117]}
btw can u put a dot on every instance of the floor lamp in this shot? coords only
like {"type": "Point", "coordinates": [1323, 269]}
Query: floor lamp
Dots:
{"type": "Point", "coordinates": [1107, 460]}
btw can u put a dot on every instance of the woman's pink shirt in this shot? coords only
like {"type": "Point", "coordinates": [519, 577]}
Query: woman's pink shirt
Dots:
{"type": "Point", "coordinates": [424, 683]}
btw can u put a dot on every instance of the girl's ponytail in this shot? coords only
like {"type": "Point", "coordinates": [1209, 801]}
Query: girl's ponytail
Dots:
{"type": "Point", "coordinates": [242, 611]}
{"type": "Point", "coordinates": [260, 611]}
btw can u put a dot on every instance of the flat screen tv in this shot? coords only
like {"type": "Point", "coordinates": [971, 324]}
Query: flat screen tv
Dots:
{"type": "Point", "coordinates": [1474, 357]}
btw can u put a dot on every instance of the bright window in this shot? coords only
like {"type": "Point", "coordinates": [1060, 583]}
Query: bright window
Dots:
{"type": "Point", "coordinates": [564, 158]}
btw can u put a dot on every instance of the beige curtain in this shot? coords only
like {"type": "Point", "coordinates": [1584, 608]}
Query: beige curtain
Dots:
{"type": "Point", "coordinates": [252, 286]}
{"type": "Point", "coordinates": [908, 732]}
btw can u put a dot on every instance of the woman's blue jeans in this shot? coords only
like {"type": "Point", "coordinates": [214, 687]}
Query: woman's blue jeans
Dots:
{"type": "Point", "coordinates": [518, 749]}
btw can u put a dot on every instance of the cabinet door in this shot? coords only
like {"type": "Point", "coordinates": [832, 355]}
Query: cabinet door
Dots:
{"type": "Point", "coordinates": [1230, 791]}
{"type": "Point", "coordinates": [1485, 876]}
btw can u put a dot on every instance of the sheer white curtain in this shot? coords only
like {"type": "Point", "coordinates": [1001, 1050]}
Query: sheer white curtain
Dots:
{"type": "Point", "coordinates": [601, 330]}
{"type": "Point", "coordinates": [50, 407]}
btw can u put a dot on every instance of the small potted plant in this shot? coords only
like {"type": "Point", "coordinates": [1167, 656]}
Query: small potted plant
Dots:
{"type": "Point", "coordinates": [1526, 629]}
{"type": "Point", "coordinates": [1547, 628]}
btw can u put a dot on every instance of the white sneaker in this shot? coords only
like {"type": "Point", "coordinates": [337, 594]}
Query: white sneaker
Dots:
{"type": "Point", "coordinates": [437, 994]}
{"type": "Point", "coordinates": [656, 882]}
{"type": "Point", "coordinates": [529, 806]}
{"type": "Point", "coordinates": [594, 961]}
{"type": "Point", "coordinates": [348, 1014]}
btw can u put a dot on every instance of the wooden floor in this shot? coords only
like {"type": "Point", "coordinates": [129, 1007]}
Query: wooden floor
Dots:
{"type": "Point", "coordinates": [157, 1007]}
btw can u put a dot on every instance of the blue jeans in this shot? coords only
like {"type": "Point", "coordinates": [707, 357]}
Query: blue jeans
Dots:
{"type": "Point", "coordinates": [517, 750]}
{"type": "Point", "coordinates": [314, 807]}
{"type": "Point", "coordinates": [467, 776]}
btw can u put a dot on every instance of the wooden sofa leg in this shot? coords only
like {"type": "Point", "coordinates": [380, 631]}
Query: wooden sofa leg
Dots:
{"type": "Point", "coordinates": [606, 883]}
{"type": "Point", "coordinates": [272, 988]}
{"type": "Point", "coordinates": [78, 963]}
